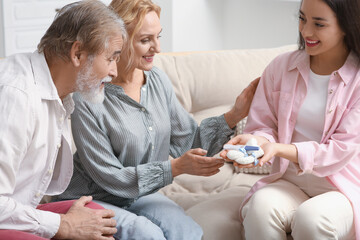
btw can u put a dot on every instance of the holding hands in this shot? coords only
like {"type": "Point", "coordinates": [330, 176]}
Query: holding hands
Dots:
{"type": "Point", "coordinates": [288, 151]}
{"type": "Point", "coordinates": [266, 148]}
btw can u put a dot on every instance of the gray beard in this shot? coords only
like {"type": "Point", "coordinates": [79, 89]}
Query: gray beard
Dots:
{"type": "Point", "coordinates": [95, 96]}
{"type": "Point", "coordinates": [89, 86]}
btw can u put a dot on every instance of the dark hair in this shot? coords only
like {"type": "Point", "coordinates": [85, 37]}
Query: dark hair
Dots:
{"type": "Point", "coordinates": [348, 15]}
{"type": "Point", "coordinates": [91, 22]}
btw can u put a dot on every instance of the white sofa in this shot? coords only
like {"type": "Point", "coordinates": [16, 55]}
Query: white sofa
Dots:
{"type": "Point", "coordinates": [206, 84]}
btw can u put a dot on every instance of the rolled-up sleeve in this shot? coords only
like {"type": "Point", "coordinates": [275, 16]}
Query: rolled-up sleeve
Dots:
{"type": "Point", "coordinates": [342, 147]}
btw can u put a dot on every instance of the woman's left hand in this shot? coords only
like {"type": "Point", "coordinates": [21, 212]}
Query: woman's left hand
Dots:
{"type": "Point", "coordinates": [270, 151]}
{"type": "Point", "coordinates": [242, 104]}
{"type": "Point", "coordinates": [243, 101]}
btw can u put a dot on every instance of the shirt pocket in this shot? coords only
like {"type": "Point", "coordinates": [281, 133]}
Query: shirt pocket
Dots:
{"type": "Point", "coordinates": [282, 103]}
{"type": "Point", "coordinates": [338, 118]}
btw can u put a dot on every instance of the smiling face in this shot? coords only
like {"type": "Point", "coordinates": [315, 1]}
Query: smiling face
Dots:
{"type": "Point", "coordinates": [320, 29]}
{"type": "Point", "coordinates": [97, 70]}
{"type": "Point", "coordinates": [146, 42]}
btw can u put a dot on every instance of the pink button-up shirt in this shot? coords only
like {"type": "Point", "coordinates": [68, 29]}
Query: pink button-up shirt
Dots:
{"type": "Point", "coordinates": [274, 111]}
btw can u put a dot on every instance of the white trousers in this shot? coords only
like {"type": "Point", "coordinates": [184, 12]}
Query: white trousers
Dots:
{"type": "Point", "coordinates": [281, 208]}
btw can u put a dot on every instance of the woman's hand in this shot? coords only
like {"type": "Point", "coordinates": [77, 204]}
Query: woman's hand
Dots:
{"type": "Point", "coordinates": [242, 139]}
{"type": "Point", "coordinates": [270, 151]}
{"type": "Point", "coordinates": [195, 162]}
{"type": "Point", "coordinates": [242, 104]}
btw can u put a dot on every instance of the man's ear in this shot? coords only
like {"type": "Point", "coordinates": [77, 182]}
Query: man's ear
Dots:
{"type": "Point", "coordinates": [77, 55]}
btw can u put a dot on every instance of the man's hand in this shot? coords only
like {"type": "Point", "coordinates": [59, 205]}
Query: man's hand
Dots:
{"type": "Point", "coordinates": [242, 104]}
{"type": "Point", "coordinates": [83, 223]}
{"type": "Point", "coordinates": [194, 162]}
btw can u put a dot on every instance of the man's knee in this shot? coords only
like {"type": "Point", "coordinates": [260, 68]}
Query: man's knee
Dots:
{"type": "Point", "coordinates": [18, 235]}
{"type": "Point", "coordinates": [64, 206]}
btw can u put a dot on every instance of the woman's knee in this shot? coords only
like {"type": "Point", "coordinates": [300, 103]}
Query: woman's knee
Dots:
{"type": "Point", "coordinates": [261, 206]}
{"type": "Point", "coordinates": [140, 228]}
{"type": "Point", "coordinates": [308, 223]}
{"type": "Point", "coordinates": [175, 224]}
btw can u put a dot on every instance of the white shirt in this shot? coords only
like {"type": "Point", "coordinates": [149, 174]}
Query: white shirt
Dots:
{"type": "Point", "coordinates": [311, 117]}
{"type": "Point", "coordinates": [310, 127]}
{"type": "Point", "coordinates": [35, 153]}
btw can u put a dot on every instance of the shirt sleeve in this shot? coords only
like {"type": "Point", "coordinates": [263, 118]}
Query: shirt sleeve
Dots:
{"type": "Point", "coordinates": [341, 148]}
{"type": "Point", "coordinates": [96, 155]}
{"type": "Point", "coordinates": [211, 134]}
{"type": "Point", "coordinates": [15, 136]}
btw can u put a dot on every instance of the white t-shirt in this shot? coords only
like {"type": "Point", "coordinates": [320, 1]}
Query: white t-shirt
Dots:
{"type": "Point", "coordinates": [309, 127]}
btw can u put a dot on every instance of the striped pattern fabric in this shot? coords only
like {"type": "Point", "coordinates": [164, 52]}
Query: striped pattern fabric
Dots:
{"type": "Point", "coordinates": [123, 146]}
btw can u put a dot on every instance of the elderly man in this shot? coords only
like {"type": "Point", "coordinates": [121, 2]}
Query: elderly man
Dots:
{"type": "Point", "coordinates": [78, 53]}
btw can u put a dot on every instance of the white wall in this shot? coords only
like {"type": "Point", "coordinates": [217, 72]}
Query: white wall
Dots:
{"type": "Point", "coordinates": [166, 18]}
{"type": "Point", "coordinates": [195, 25]}
{"type": "Point", "coordinates": [202, 25]}
{"type": "Point", "coordinates": [2, 50]}
{"type": "Point", "coordinates": [260, 23]}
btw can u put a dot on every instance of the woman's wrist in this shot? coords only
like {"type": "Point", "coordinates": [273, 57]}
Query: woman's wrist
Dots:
{"type": "Point", "coordinates": [232, 117]}
{"type": "Point", "coordinates": [288, 151]}
{"type": "Point", "coordinates": [174, 167]}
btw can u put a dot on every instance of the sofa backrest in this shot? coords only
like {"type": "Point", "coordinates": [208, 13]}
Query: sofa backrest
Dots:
{"type": "Point", "coordinates": [207, 83]}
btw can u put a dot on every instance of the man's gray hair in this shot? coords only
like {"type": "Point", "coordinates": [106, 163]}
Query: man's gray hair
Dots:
{"type": "Point", "coordinates": [90, 22]}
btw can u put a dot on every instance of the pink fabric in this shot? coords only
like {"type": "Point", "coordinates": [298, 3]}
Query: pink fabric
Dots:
{"type": "Point", "coordinates": [273, 115]}
{"type": "Point", "coordinates": [64, 206]}
{"type": "Point", "coordinates": [17, 235]}
{"type": "Point", "coordinates": [56, 207]}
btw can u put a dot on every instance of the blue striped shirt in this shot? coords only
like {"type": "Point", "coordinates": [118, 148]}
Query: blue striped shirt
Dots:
{"type": "Point", "coordinates": [123, 146]}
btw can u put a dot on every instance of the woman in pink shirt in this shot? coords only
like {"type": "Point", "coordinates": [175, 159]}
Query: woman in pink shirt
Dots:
{"type": "Point", "coordinates": [306, 117]}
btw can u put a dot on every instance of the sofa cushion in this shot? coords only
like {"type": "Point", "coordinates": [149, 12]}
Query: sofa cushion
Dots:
{"type": "Point", "coordinates": [207, 83]}
{"type": "Point", "coordinates": [188, 190]}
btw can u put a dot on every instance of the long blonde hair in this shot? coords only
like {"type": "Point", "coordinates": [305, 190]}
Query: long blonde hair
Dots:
{"type": "Point", "coordinates": [133, 12]}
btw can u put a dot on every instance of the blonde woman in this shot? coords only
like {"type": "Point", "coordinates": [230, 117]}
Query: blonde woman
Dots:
{"type": "Point", "coordinates": [124, 144]}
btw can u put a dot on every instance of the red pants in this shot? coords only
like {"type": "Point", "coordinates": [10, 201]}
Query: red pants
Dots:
{"type": "Point", "coordinates": [56, 207]}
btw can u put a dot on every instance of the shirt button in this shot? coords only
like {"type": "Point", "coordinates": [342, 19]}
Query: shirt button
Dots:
{"type": "Point", "coordinates": [50, 171]}
{"type": "Point", "coordinates": [331, 91]}
{"type": "Point", "coordinates": [61, 119]}
{"type": "Point", "coordinates": [38, 194]}
{"type": "Point", "coordinates": [150, 128]}
{"type": "Point", "coordinates": [59, 145]}
{"type": "Point", "coordinates": [330, 111]}
{"type": "Point", "coordinates": [143, 109]}
{"type": "Point", "coordinates": [152, 147]}
{"type": "Point", "coordinates": [144, 89]}
{"type": "Point", "coordinates": [335, 73]}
